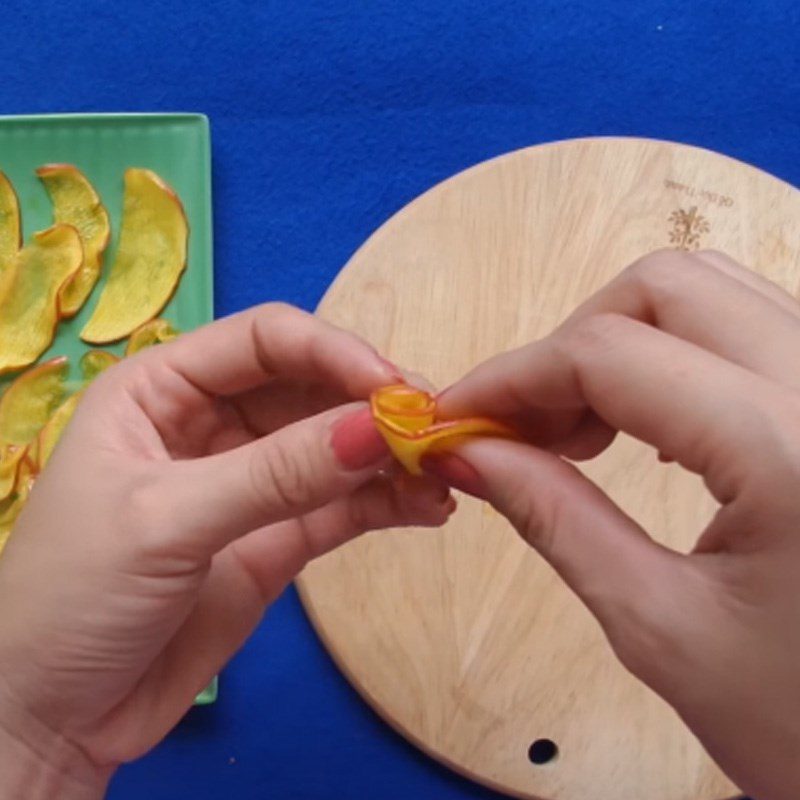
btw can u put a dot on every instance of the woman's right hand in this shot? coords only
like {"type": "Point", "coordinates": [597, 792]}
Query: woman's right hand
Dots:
{"type": "Point", "coordinates": [698, 357]}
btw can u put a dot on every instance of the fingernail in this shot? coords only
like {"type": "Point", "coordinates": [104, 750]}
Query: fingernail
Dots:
{"type": "Point", "coordinates": [395, 371]}
{"type": "Point", "coordinates": [356, 442]}
{"type": "Point", "coordinates": [455, 472]}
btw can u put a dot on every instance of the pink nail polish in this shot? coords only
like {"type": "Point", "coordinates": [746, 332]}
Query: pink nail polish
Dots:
{"type": "Point", "coordinates": [356, 442]}
{"type": "Point", "coordinates": [455, 472]}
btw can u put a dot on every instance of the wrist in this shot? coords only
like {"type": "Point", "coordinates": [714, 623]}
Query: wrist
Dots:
{"type": "Point", "coordinates": [38, 764]}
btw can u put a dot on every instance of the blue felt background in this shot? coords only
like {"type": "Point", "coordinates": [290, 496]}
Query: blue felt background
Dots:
{"type": "Point", "coordinates": [326, 118]}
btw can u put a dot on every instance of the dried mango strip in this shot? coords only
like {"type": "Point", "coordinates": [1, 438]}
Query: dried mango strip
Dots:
{"type": "Point", "coordinates": [31, 400]}
{"type": "Point", "coordinates": [51, 432]}
{"type": "Point", "coordinates": [10, 457]}
{"type": "Point", "coordinates": [29, 308]}
{"type": "Point", "coordinates": [150, 259]}
{"type": "Point", "coordinates": [10, 227]}
{"type": "Point", "coordinates": [157, 331]}
{"type": "Point", "coordinates": [11, 507]}
{"type": "Point", "coordinates": [94, 362]}
{"type": "Point", "coordinates": [76, 203]}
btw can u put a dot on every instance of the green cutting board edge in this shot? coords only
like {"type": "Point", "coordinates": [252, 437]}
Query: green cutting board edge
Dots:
{"type": "Point", "coordinates": [103, 146]}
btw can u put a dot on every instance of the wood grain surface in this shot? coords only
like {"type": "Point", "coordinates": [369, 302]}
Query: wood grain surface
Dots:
{"type": "Point", "coordinates": [464, 640]}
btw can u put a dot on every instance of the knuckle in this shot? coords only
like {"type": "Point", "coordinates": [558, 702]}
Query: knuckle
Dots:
{"type": "Point", "coordinates": [348, 340]}
{"type": "Point", "coordinates": [277, 309]}
{"type": "Point", "coordinates": [776, 430]}
{"type": "Point", "coordinates": [276, 321]}
{"type": "Point", "coordinates": [663, 271]}
{"type": "Point", "coordinates": [276, 326]}
{"type": "Point", "coordinates": [635, 629]}
{"type": "Point", "coordinates": [535, 515]}
{"type": "Point", "coordinates": [142, 501]}
{"type": "Point", "coordinates": [149, 524]}
{"type": "Point", "coordinates": [281, 478]}
{"type": "Point", "coordinates": [639, 645]}
{"type": "Point", "coordinates": [719, 260]}
{"type": "Point", "coordinates": [598, 331]}
{"type": "Point", "coordinates": [306, 541]}
{"type": "Point", "coordinates": [136, 378]}
{"type": "Point", "coordinates": [127, 374]}
{"type": "Point", "coordinates": [647, 626]}
{"type": "Point", "coordinates": [356, 517]}
{"type": "Point", "coordinates": [716, 255]}
{"type": "Point", "coordinates": [270, 324]}
{"type": "Point", "coordinates": [537, 529]}
{"type": "Point", "coordinates": [358, 514]}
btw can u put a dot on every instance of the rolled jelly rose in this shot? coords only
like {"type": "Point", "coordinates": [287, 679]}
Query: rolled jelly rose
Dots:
{"type": "Point", "coordinates": [406, 418]}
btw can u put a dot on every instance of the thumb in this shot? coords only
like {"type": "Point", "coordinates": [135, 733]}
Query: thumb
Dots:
{"type": "Point", "coordinates": [601, 553]}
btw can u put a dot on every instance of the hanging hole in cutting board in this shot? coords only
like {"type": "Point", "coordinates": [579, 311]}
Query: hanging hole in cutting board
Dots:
{"type": "Point", "coordinates": [542, 751]}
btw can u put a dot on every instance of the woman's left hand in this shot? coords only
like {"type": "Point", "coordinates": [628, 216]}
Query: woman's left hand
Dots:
{"type": "Point", "coordinates": [194, 482]}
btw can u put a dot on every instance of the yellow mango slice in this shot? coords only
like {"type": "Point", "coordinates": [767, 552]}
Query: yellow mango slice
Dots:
{"type": "Point", "coordinates": [157, 331]}
{"type": "Point", "coordinates": [11, 507]}
{"type": "Point", "coordinates": [406, 418]}
{"type": "Point", "coordinates": [33, 416]}
{"type": "Point", "coordinates": [30, 401]}
{"type": "Point", "coordinates": [10, 457]}
{"type": "Point", "coordinates": [10, 227]}
{"type": "Point", "coordinates": [29, 309]}
{"type": "Point", "coordinates": [94, 362]}
{"type": "Point", "coordinates": [150, 259]}
{"type": "Point", "coordinates": [51, 432]}
{"type": "Point", "coordinates": [76, 203]}
{"type": "Point", "coordinates": [25, 408]}
{"type": "Point", "coordinates": [9, 511]}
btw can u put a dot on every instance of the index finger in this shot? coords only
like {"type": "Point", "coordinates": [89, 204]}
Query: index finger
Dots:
{"type": "Point", "coordinates": [707, 413]}
{"type": "Point", "coordinates": [245, 350]}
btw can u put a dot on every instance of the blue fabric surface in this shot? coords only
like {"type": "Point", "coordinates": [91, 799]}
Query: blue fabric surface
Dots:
{"type": "Point", "coordinates": [327, 117]}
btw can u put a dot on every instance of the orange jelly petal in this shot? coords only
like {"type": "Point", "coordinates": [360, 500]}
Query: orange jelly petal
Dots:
{"type": "Point", "coordinates": [406, 418]}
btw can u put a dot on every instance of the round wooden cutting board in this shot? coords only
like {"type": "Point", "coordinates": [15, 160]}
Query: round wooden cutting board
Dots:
{"type": "Point", "coordinates": [464, 640]}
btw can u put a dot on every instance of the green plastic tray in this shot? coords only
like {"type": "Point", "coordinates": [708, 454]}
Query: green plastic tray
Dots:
{"type": "Point", "coordinates": [176, 146]}
{"type": "Point", "coordinates": [209, 694]}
